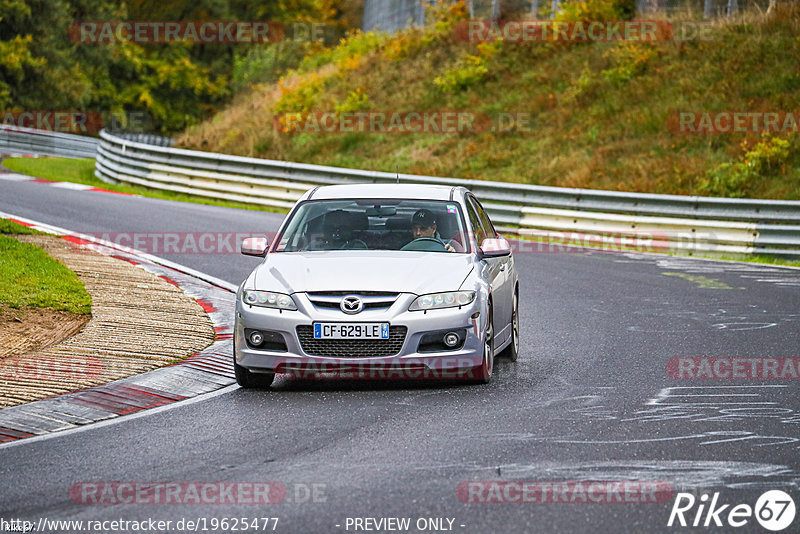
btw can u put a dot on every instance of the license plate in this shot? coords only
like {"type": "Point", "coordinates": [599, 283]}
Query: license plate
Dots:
{"type": "Point", "coordinates": [351, 330]}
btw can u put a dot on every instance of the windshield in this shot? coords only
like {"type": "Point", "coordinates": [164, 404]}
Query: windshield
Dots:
{"type": "Point", "coordinates": [375, 224]}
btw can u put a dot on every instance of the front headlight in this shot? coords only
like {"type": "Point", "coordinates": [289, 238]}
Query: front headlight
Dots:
{"type": "Point", "coordinates": [449, 299]}
{"type": "Point", "coordinates": [267, 299]}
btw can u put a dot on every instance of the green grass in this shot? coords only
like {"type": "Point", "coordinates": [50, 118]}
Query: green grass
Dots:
{"type": "Point", "coordinates": [9, 227]}
{"type": "Point", "coordinates": [29, 277]}
{"type": "Point", "coordinates": [767, 260]}
{"type": "Point", "coordinates": [81, 171]}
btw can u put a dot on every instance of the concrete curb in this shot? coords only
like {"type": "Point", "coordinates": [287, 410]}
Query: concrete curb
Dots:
{"type": "Point", "coordinates": [206, 371]}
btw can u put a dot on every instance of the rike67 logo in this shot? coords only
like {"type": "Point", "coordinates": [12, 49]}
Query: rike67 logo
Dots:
{"type": "Point", "coordinates": [774, 510]}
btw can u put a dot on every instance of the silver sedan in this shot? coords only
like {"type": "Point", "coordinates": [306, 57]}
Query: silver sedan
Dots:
{"type": "Point", "coordinates": [378, 281]}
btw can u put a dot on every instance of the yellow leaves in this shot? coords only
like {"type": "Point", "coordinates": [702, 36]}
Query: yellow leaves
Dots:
{"type": "Point", "coordinates": [629, 59]}
{"type": "Point", "coordinates": [458, 10]}
{"type": "Point", "coordinates": [146, 98]}
{"type": "Point", "coordinates": [349, 63]}
{"type": "Point", "coordinates": [403, 43]}
{"type": "Point", "coordinates": [445, 14]}
{"type": "Point", "coordinates": [473, 60]}
{"type": "Point", "coordinates": [356, 100]}
{"type": "Point", "coordinates": [587, 11]}
{"type": "Point", "coordinates": [301, 96]}
{"type": "Point", "coordinates": [469, 69]}
{"type": "Point", "coordinates": [489, 49]}
{"type": "Point", "coordinates": [14, 55]}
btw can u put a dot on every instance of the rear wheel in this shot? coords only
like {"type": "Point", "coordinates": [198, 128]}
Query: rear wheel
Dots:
{"type": "Point", "coordinates": [512, 350]}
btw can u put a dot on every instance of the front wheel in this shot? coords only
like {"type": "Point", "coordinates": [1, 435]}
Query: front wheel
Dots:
{"type": "Point", "coordinates": [248, 379]}
{"type": "Point", "coordinates": [487, 365]}
{"type": "Point", "coordinates": [512, 350]}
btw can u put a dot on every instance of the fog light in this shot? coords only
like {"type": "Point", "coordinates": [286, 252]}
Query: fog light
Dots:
{"type": "Point", "coordinates": [256, 338]}
{"type": "Point", "coordinates": [451, 339]}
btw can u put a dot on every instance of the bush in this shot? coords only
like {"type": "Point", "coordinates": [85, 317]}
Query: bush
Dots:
{"type": "Point", "coordinates": [356, 100]}
{"type": "Point", "coordinates": [470, 69]}
{"type": "Point", "coordinates": [356, 44]}
{"type": "Point", "coordinates": [768, 156]}
{"type": "Point", "coordinates": [589, 10]}
{"type": "Point", "coordinates": [628, 60]}
{"type": "Point", "coordinates": [300, 97]}
{"type": "Point", "coordinates": [266, 63]}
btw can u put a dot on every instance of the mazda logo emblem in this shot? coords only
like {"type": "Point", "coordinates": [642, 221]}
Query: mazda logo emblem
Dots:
{"type": "Point", "coordinates": [351, 304]}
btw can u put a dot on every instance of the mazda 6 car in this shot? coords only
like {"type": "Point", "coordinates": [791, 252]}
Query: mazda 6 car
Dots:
{"type": "Point", "coordinates": [384, 281]}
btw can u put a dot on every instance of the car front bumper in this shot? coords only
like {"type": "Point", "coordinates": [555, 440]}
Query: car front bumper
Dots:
{"type": "Point", "coordinates": [408, 362]}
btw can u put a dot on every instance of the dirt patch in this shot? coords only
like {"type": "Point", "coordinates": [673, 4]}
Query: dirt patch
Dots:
{"type": "Point", "coordinates": [28, 329]}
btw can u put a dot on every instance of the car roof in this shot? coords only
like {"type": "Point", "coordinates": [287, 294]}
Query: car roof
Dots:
{"type": "Point", "coordinates": [415, 191]}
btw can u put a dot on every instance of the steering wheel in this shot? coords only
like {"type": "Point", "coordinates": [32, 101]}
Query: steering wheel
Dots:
{"type": "Point", "coordinates": [355, 244]}
{"type": "Point", "coordinates": [424, 244]}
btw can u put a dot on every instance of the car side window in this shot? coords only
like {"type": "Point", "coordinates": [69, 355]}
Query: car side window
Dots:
{"type": "Point", "coordinates": [487, 223]}
{"type": "Point", "coordinates": [475, 221]}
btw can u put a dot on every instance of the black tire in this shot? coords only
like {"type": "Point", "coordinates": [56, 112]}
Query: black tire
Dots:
{"type": "Point", "coordinates": [484, 371]}
{"type": "Point", "coordinates": [512, 350]}
{"type": "Point", "coordinates": [246, 379]}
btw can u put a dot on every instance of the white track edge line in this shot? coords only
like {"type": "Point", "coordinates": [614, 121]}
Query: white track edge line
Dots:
{"type": "Point", "coordinates": [120, 418]}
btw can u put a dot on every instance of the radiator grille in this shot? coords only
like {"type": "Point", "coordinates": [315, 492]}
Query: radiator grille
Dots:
{"type": "Point", "coordinates": [351, 348]}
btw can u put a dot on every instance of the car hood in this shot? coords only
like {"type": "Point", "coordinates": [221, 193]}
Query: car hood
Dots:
{"type": "Point", "coordinates": [390, 271]}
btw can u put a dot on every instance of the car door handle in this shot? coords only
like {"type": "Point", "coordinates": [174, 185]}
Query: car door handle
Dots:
{"type": "Point", "coordinates": [502, 266]}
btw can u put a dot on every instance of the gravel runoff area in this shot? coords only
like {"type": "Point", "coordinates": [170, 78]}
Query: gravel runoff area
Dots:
{"type": "Point", "coordinates": [139, 322]}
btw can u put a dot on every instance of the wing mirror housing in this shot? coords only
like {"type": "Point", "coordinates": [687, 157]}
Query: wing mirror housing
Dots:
{"type": "Point", "coordinates": [495, 247]}
{"type": "Point", "coordinates": [255, 246]}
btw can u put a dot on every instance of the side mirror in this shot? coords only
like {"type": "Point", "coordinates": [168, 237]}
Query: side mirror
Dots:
{"type": "Point", "coordinates": [495, 247]}
{"type": "Point", "coordinates": [255, 246]}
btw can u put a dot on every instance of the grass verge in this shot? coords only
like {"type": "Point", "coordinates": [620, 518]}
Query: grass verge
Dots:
{"type": "Point", "coordinates": [29, 277]}
{"type": "Point", "coordinates": [81, 171]}
{"type": "Point", "coordinates": [9, 227]}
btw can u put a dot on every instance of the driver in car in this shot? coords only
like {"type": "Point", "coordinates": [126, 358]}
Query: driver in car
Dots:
{"type": "Point", "coordinates": [423, 225]}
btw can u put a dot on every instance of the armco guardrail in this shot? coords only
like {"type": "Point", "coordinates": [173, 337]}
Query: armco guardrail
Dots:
{"type": "Point", "coordinates": [677, 223]}
{"type": "Point", "coordinates": [17, 140]}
